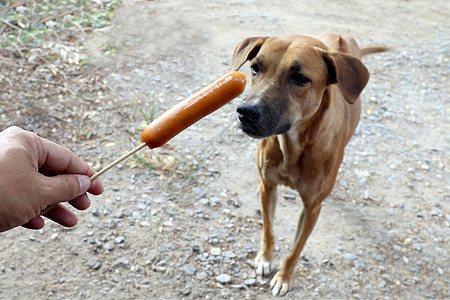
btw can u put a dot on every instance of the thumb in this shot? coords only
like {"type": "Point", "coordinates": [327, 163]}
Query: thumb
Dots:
{"type": "Point", "coordinates": [62, 188]}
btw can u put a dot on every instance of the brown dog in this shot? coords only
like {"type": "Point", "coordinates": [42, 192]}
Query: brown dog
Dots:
{"type": "Point", "coordinates": [304, 104]}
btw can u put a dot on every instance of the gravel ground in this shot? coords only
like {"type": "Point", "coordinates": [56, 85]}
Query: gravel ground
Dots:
{"type": "Point", "coordinates": [183, 221]}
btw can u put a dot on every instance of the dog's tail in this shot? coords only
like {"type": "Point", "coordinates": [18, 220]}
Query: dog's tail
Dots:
{"type": "Point", "coordinates": [373, 49]}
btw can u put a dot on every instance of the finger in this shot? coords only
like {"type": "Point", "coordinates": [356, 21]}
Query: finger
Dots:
{"type": "Point", "coordinates": [63, 188]}
{"type": "Point", "coordinates": [81, 203]}
{"type": "Point", "coordinates": [96, 187]}
{"type": "Point", "coordinates": [54, 157]}
{"type": "Point", "coordinates": [35, 223]}
{"type": "Point", "coordinates": [62, 215]}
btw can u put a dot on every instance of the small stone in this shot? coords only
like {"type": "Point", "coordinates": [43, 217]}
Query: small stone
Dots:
{"type": "Point", "coordinates": [350, 257]}
{"type": "Point", "coordinates": [54, 236]}
{"type": "Point", "coordinates": [387, 278]}
{"type": "Point", "coordinates": [250, 281]}
{"type": "Point", "coordinates": [229, 254]}
{"type": "Point", "coordinates": [186, 237]}
{"type": "Point", "coordinates": [95, 265]}
{"type": "Point", "coordinates": [379, 258]}
{"type": "Point", "coordinates": [119, 240]}
{"type": "Point", "coordinates": [203, 201]}
{"type": "Point", "coordinates": [223, 278]}
{"type": "Point", "coordinates": [216, 251]}
{"type": "Point", "coordinates": [196, 248]}
{"type": "Point", "coordinates": [237, 203]}
{"type": "Point", "coordinates": [144, 224]}
{"type": "Point", "coordinates": [201, 276]}
{"type": "Point", "coordinates": [189, 269]}
{"type": "Point", "coordinates": [118, 214]}
{"type": "Point", "coordinates": [425, 167]}
{"type": "Point", "coordinates": [109, 246]}
{"type": "Point", "coordinates": [186, 292]}
{"type": "Point", "coordinates": [168, 223]}
{"type": "Point", "coordinates": [407, 242]}
{"type": "Point", "coordinates": [214, 201]}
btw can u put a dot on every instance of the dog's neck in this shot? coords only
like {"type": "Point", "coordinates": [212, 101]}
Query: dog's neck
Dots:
{"type": "Point", "coordinates": [300, 136]}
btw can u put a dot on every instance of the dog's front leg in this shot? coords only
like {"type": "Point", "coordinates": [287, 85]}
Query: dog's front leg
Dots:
{"type": "Point", "coordinates": [281, 282]}
{"type": "Point", "coordinates": [264, 259]}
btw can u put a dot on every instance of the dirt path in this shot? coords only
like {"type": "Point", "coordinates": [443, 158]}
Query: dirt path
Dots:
{"type": "Point", "coordinates": [182, 221]}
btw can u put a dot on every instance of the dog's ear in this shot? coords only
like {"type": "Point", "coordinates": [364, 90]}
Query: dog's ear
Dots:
{"type": "Point", "coordinates": [348, 72]}
{"type": "Point", "coordinates": [246, 50]}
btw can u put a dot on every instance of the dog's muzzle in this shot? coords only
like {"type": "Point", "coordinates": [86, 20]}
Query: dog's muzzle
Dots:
{"type": "Point", "coordinates": [259, 121]}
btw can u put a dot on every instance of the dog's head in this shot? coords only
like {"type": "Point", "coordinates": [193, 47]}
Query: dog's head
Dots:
{"type": "Point", "coordinates": [290, 75]}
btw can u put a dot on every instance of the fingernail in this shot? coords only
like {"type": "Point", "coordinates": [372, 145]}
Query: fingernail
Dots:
{"type": "Point", "coordinates": [85, 183]}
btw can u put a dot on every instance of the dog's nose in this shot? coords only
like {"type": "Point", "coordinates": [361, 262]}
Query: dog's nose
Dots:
{"type": "Point", "coordinates": [248, 113]}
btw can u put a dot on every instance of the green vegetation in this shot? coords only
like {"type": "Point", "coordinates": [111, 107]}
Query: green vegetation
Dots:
{"type": "Point", "coordinates": [25, 24]}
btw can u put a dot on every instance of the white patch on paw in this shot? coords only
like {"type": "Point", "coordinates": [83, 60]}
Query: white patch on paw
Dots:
{"type": "Point", "coordinates": [263, 267]}
{"type": "Point", "coordinates": [279, 286]}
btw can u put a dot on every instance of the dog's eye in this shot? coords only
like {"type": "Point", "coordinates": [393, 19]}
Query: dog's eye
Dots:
{"type": "Point", "coordinates": [255, 69]}
{"type": "Point", "coordinates": [299, 79]}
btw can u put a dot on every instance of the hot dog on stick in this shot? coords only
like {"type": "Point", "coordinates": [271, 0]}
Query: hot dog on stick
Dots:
{"type": "Point", "coordinates": [187, 112]}
{"type": "Point", "coordinates": [184, 114]}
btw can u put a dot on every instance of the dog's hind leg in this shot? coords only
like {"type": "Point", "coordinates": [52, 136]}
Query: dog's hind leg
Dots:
{"type": "Point", "coordinates": [264, 259]}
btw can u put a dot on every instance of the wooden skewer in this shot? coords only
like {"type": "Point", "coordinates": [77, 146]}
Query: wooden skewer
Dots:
{"type": "Point", "coordinates": [117, 161]}
{"type": "Point", "coordinates": [103, 170]}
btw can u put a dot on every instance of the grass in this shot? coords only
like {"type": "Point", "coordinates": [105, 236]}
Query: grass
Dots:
{"type": "Point", "coordinates": [25, 25]}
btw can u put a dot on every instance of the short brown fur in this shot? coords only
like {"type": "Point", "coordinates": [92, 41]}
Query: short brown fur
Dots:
{"type": "Point", "coordinates": [304, 104]}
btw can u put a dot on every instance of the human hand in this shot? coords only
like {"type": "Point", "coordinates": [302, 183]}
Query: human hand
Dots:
{"type": "Point", "coordinates": [36, 173]}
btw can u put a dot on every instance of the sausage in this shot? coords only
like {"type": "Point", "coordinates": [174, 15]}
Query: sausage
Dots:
{"type": "Point", "coordinates": [190, 110]}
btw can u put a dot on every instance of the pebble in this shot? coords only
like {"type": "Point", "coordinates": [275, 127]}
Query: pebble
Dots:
{"type": "Point", "coordinates": [223, 278]}
{"type": "Point", "coordinates": [387, 278]}
{"type": "Point", "coordinates": [118, 214]}
{"type": "Point", "coordinates": [216, 251]}
{"type": "Point", "coordinates": [379, 258]}
{"type": "Point", "coordinates": [229, 254]}
{"type": "Point", "coordinates": [119, 240]}
{"type": "Point", "coordinates": [144, 224]}
{"type": "Point", "coordinates": [250, 281]}
{"type": "Point", "coordinates": [109, 246]}
{"type": "Point", "coordinates": [196, 248]}
{"type": "Point", "coordinates": [350, 258]}
{"type": "Point", "coordinates": [95, 265]}
{"type": "Point", "coordinates": [214, 201]}
{"type": "Point", "coordinates": [189, 269]}
{"type": "Point", "coordinates": [201, 276]}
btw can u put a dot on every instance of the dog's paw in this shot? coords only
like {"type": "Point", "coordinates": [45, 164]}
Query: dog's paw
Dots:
{"type": "Point", "coordinates": [264, 266]}
{"type": "Point", "coordinates": [279, 285]}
